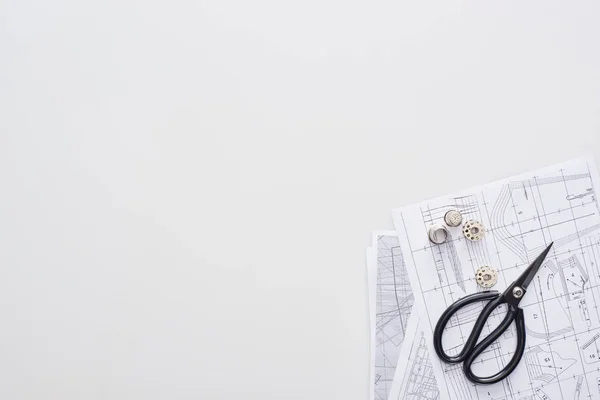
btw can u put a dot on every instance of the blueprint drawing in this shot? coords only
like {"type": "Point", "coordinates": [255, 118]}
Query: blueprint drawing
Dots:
{"type": "Point", "coordinates": [522, 216]}
{"type": "Point", "coordinates": [393, 300]}
{"type": "Point", "coordinates": [415, 379]}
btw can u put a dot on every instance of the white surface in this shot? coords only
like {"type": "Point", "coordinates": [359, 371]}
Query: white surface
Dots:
{"type": "Point", "coordinates": [372, 293]}
{"type": "Point", "coordinates": [522, 216]}
{"type": "Point", "coordinates": [172, 174]}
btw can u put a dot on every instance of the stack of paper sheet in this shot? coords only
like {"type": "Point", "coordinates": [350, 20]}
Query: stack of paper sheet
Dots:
{"type": "Point", "coordinates": [412, 281]}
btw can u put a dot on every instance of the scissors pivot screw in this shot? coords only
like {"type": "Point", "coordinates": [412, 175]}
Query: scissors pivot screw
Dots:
{"type": "Point", "coordinates": [517, 292]}
{"type": "Point", "coordinates": [453, 218]}
{"type": "Point", "coordinates": [473, 230]}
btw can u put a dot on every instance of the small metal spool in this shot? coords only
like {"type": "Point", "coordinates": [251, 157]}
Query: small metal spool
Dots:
{"type": "Point", "coordinates": [473, 230]}
{"type": "Point", "coordinates": [486, 277]}
{"type": "Point", "coordinates": [438, 234]}
{"type": "Point", "coordinates": [453, 218]}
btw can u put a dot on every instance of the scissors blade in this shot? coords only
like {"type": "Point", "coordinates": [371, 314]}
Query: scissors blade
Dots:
{"type": "Point", "coordinates": [527, 276]}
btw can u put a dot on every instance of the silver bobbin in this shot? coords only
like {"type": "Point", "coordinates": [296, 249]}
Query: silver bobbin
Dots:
{"type": "Point", "coordinates": [438, 234]}
{"type": "Point", "coordinates": [486, 277]}
{"type": "Point", "coordinates": [453, 218]}
{"type": "Point", "coordinates": [473, 230]}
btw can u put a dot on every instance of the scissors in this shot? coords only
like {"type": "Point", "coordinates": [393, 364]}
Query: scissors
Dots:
{"type": "Point", "coordinates": [512, 296]}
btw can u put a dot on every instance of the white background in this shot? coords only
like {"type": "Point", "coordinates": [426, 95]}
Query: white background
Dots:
{"type": "Point", "coordinates": [188, 187]}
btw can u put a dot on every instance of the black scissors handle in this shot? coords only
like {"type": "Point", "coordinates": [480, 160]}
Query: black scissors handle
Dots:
{"type": "Point", "coordinates": [471, 349]}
